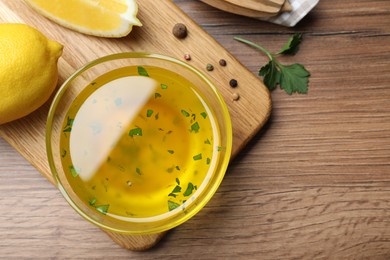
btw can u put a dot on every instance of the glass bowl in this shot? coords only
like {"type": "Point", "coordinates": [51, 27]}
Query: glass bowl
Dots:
{"type": "Point", "coordinates": [138, 143]}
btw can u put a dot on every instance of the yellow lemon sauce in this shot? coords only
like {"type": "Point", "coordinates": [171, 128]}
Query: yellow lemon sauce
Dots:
{"type": "Point", "coordinates": [139, 142]}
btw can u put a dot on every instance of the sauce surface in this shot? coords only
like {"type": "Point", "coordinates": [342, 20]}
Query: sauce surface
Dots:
{"type": "Point", "coordinates": [139, 142]}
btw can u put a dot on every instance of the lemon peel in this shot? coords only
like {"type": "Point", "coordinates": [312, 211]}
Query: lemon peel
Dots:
{"type": "Point", "coordinates": [28, 70]}
{"type": "Point", "coordinates": [104, 18]}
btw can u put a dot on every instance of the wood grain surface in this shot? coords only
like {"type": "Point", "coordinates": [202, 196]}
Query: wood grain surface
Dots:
{"type": "Point", "coordinates": [314, 184]}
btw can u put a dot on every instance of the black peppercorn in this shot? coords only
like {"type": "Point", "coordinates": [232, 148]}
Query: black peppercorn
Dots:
{"type": "Point", "coordinates": [233, 83]}
{"type": "Point", "coordinates": [222, 62]}
{"type": "Point", "coordinates": [180, 31]}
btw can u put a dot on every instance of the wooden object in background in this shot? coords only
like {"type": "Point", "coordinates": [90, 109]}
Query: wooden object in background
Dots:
{"type": "Point", "coordinates": [252, 8]}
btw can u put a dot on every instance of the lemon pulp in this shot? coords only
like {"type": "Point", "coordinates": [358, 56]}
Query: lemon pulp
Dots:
{"type": "Point", "coordinates": [106, 18]}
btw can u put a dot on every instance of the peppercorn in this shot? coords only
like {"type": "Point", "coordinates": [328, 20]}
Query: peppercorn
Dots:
{"type": "Point", "coordinates": [222, 62]}
{"type": "Point", "coordinates": [210, 67]}
{"type": "Point", "coordinates": [180, 31]}
{"type": "Point", "coordinates": [187, 56]}
{"type": "Point", "coordinates": [236, 96]}
{"type": "Point", "coordinates": [233, 83]}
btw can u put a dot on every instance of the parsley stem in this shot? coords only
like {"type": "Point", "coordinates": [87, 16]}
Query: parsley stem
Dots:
{"type": "Point", "coordinates": [256, 46]}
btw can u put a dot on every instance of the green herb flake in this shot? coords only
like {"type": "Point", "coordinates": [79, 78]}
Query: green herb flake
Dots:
{"type": "Point", "coordinates": [157, 95]}
{"type": "Point", "coordinates": [176, 190]}
{"type": "Point", "coordinates": [185, 113]}
{"type": "Point", "coordinates": [142, 71]}
{"type": "Point", "coordinates": [69, 124]}
{"type": "Point", "coordinates": [170, 170]}
{"type": "Point", "coordinates": [189, 190]}
{"type": "Point", "coordinates": [197, 157]}
{"type": "Point", "coordinates": [195, 127]}
{"type": "Point", "coordinates": [73, 171]}
{"type": "Point", "coordinates": [219, 148]}
{"type": "Point", "coordinates": [138, 171]}
{"type": "Point", "coordinates": [207, 141]}
{"type": "Point", "coordinates": [172, 205]}
{"type": "Point", "coordinates": [92, 201]}
{"type": "Point", "coordinates": [203, 114]}
{"type": "Point", "coordinates": [208, 160]}
{"type": "Point", "coordinates": [149, 113]}
{"type": "Point", "coordinates": [171, 151]}
{"type": "Point", "coordinates": [102, 208]}
{"type": "Point", "coordinates": [177, 167]}
{"type": "Point", "coordinates": [135, 132]}
{"type": "Point", "coordinates": [177, 180]}
{"type": "Point", "coordinates": [157, 116]}
{"type": "Point", "coordinates": [163, 86]}
{"type": "Point", "coordinates": [63, 154]}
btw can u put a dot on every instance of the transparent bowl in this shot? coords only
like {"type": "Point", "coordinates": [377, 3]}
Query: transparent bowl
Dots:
{"type": "Point", "coordinates": [77, 162]}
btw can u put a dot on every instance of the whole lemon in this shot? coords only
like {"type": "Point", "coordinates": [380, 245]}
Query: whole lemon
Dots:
{"type": "Point", "coordinates": [28, 70]}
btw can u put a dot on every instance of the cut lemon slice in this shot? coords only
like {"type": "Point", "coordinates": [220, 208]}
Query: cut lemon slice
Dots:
{"type": "Point", "coordinates": [105, 18]}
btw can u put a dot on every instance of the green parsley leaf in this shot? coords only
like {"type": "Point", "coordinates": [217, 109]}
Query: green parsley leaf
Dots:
{"type": "Point", "coordinates": [157, 116]}
{"type": "Point", "coordinates": [203, 114]}
{"type": "Point", "coordinates": [177, 180]}
{"type": "Point", "coordinates": [73, 171]}
{"type": "Point", "coordinates": [197, 157]}
{"type": "Point", "coordinates": [149, 113]}
{"type": "Point", "coordinates": [68, 130]}
{"type": "Point", "coordinates": [195, 127]}
{"type": "Point", "coordinates": [172, 205]}
{"type": "Point", "coordinates": [157, 95]}
{"type": "Point", "coordinates": [292, 46]}
{"type": "Point", "coordinates": [138, 171]}
{"type": "Point", "coordinates": [207, 141]}
{"type": "Point", "coordinates": [177, 167]}
{"type": "Point", "coordinates": [136, 131]}
{"type": "Point", "coordinates": [185, 113]}
{"type": "Point", "coordinates": [142, 71]}
{"type": "Point", "coordinates": [171, 151]}
{"type": "Point", "coordinates": [271, 75]}
{"type": "Point", "coordinates": [102, 209]}
{"type": "Point", "coordinates": [292, 78]}
{"type": "Point", "coordinates": [163, 86]}
{"type": "Point", "coordinates": [69, 124]}
{"type": "Point", "coordinates": [177, 189]}
{"type": "Point", "coordinates": [189, 190]}
{"type": "Point", "coordinates": [92, 201]}
{"type": "Point", "coordinates": [208, 160]}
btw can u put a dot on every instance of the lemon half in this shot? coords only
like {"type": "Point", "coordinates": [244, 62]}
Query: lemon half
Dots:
{"type": "Point", "coordinates": [104, 18]}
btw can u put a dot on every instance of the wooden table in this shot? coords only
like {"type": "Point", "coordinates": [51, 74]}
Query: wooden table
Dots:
{"type": "Point", "coordinates": [314, 183]}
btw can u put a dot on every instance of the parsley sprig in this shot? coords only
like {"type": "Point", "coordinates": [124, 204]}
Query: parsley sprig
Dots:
{"type": "Point", "coordinates": [292, 78]}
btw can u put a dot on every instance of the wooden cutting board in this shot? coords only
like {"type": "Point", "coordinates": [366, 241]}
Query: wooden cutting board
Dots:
{"type": "Point", "coordinates": [248, 114]}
